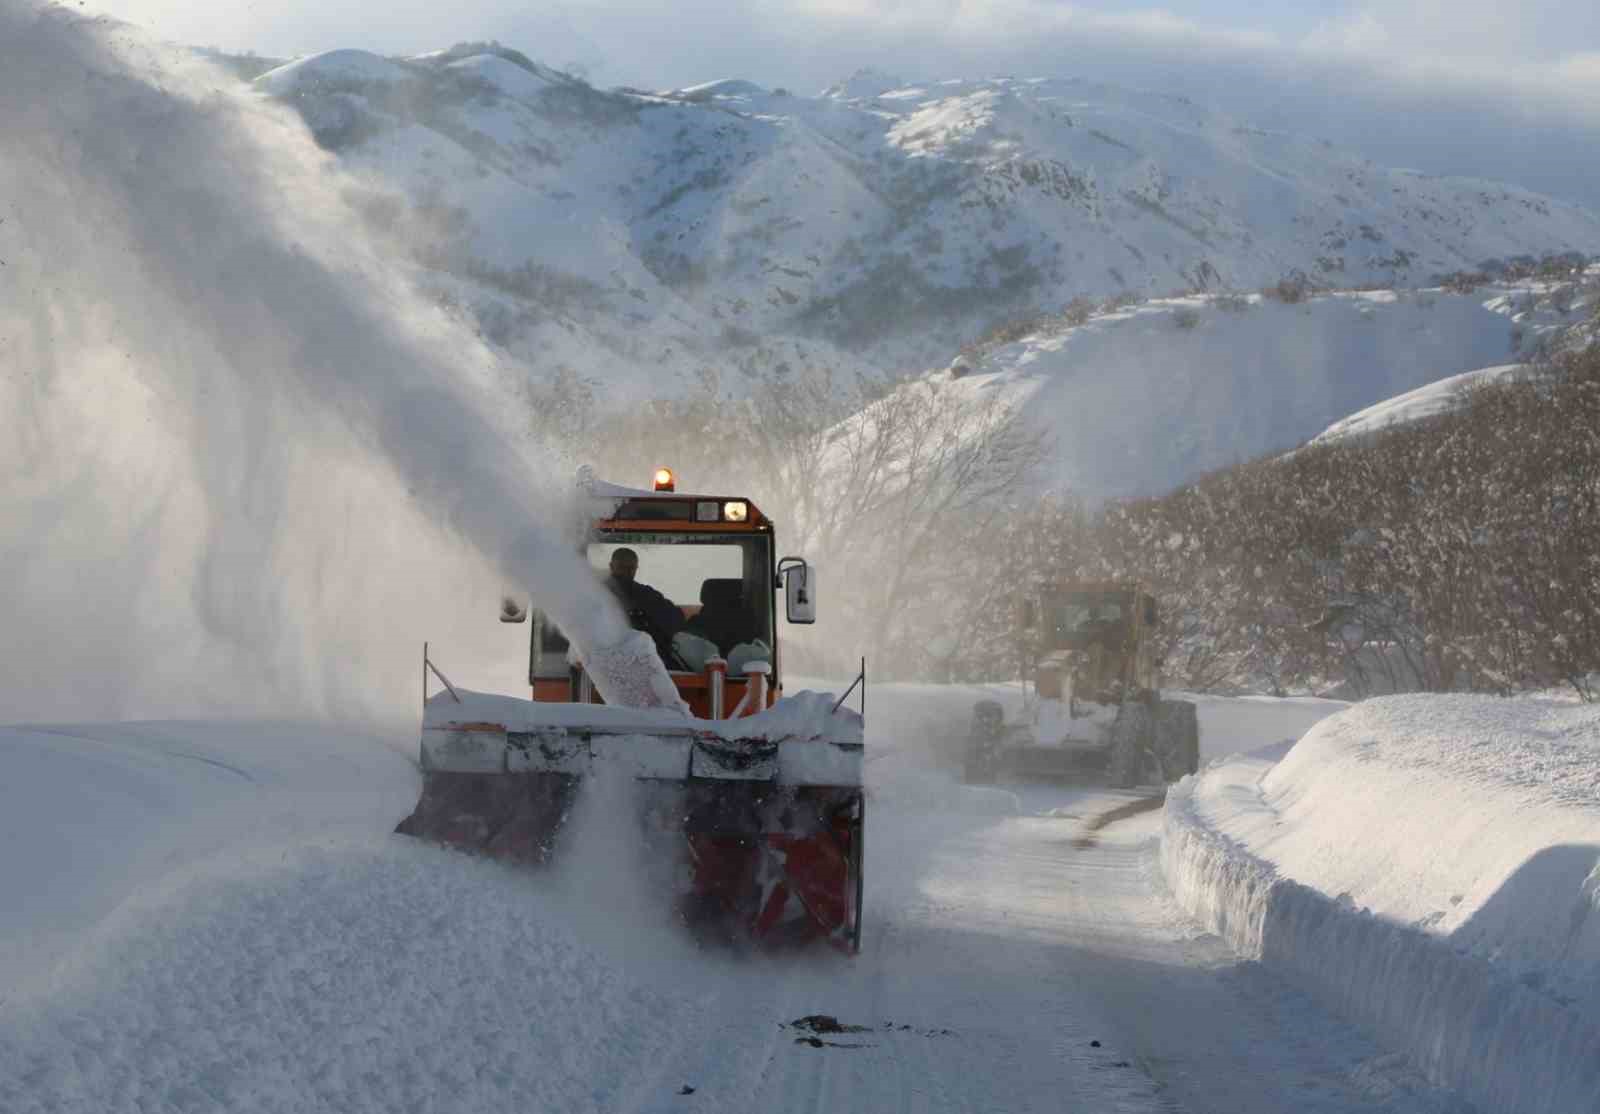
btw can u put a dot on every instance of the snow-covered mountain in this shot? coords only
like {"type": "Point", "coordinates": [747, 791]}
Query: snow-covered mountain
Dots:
{"type": "Point", "coordinates": [878, 226]}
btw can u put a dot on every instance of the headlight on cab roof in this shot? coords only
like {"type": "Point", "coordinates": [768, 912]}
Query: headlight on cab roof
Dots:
{"type": "Point", "coordinates": [736, 510]}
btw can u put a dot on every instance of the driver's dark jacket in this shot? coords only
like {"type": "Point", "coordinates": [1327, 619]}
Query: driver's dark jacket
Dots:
{"type": "Point", "coordinates": [661, 614]}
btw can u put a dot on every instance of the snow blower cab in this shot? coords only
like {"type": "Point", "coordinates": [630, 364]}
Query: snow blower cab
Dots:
{"type": "Point", "coordinates": [1089, 650]}
{"type": "Point", "coordinates": [757, 794]}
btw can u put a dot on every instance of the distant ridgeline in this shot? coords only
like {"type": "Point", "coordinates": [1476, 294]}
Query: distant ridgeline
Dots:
{"type": "Point", "coordinates": [881, 225]}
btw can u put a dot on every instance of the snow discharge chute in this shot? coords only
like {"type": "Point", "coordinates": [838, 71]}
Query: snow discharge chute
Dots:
{"type": "Point", "coordinates": [758, 798]}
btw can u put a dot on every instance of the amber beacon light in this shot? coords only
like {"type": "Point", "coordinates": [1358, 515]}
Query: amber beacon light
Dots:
{"type": "Point", "coordinates": [664, 480]}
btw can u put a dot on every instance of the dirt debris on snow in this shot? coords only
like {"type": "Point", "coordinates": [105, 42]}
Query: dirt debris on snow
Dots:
{"type": "Point", "coordinates": [815, 1026]}
{"type": "Point", "coordinates": [826, 1023]}
{"type": "Point", "coordinates": [818, 1042]}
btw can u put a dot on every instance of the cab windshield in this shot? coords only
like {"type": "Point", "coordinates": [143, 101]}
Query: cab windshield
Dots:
{"type": "Point", "coordinates": [1082, 616]}
{"type": "Point", "coordinates": [697, 596]}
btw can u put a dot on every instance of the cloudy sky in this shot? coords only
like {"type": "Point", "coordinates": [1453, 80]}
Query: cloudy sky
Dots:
{"type": "Point", "coordinates": [1479, 87]}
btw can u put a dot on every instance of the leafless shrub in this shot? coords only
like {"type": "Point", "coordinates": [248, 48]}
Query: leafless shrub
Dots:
{"type": "Point", "coordinates": [1077, 312]}
{"type": "Point", "coordinates": [1014, 329]}
{"type": "Point", "coordinates": [1445, 555]}
{"type": "Point", "coordinates": [1464, 282]}
{"type": "Point", "coordinates": [1290, 290]}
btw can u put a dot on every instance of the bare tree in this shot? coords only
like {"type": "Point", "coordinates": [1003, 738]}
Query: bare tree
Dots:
{"type": "Point", "coordinates": [916, 489]}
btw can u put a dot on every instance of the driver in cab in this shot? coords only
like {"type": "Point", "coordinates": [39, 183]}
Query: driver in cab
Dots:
{"type": "Point", "coordinates": [647, 609]}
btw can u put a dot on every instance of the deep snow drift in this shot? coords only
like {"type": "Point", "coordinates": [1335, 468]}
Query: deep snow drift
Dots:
{"type": "Point", "coordinates": [248, 468]}
{"type": "Point", "coordinates": [1462, 924]}
{"type": "Point", "coordinates": [231, 927]}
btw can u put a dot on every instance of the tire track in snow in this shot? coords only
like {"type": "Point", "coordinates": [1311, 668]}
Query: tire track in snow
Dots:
{"type": "Point", "coordinates": [165, 751]}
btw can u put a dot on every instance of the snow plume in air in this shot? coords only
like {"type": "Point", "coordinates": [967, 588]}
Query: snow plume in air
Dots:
{"type": "Point", "coordinates": [621, 872]}
{"type": "Point", "coordinates": [246, 468]}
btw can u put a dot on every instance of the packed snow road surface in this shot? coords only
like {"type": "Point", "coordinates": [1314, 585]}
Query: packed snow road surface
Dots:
{"type": "Point", "coordinates": [215, 917]}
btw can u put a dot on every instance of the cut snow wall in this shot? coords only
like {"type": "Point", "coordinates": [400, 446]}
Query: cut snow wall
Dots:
{"type": "Point", "coordinates": [1502, 1046]}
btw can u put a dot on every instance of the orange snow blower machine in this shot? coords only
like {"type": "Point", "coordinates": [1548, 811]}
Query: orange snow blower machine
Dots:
{"type": "Point", "coordinates": [755, 793]}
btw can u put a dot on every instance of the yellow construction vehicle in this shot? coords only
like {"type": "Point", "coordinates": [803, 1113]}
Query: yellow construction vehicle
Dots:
{"type": "Point", "coordinates": [1095, 700]}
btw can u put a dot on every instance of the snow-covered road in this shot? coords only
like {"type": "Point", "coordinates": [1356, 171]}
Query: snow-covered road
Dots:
{"type": "Point", "coordinates": [215, 918]}
{"type": "Point", "coordinates": [1008, 968]}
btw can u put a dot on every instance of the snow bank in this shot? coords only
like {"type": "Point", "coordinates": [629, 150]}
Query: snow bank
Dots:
{"type": "Point", "coordinates": [209, 917]}
{"type": "Point", "coordinates": [372, 975]}
{"type": "Point", "coordinates": [1431, 867]}
{"type": "Point", "coordinates": [92, 815]}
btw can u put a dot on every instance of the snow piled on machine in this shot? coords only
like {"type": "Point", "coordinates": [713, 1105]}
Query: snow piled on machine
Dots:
{"type": "Point", "coordinates": [803, 716]}
{"type": "Point", "coordinates": [812, 741]}
{"type": "Point", "coordinates": [1463, 925]}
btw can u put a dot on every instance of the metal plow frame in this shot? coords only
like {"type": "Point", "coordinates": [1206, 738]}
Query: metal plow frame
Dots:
{"type": "Point", "coordinates": [772, 830]}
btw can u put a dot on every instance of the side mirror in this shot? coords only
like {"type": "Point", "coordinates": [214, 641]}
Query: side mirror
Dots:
{"type": "Point", "coordinates": [512, 612]}
{"type": "Point", "coordinates": [800, 590]}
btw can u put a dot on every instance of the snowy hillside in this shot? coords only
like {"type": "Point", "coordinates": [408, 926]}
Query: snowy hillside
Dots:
{"type": "Point", "coordinates": [882, 224]}
{"type": "Point", "coordinates": [1143, 399]}
{"type": "Point", "coordinates": [1558, 316]}
{"type": "Point", "coordinates": [1413, 406]}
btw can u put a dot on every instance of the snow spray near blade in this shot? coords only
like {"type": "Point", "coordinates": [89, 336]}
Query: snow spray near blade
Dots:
{"type": "Point", "coordinates": [246, 466]}
{"type": "Point", "coordinates": [618, 877]}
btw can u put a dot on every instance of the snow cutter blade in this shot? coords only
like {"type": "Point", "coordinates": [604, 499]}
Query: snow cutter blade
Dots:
{"type": "Point", "coordinates": [768, 808]}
